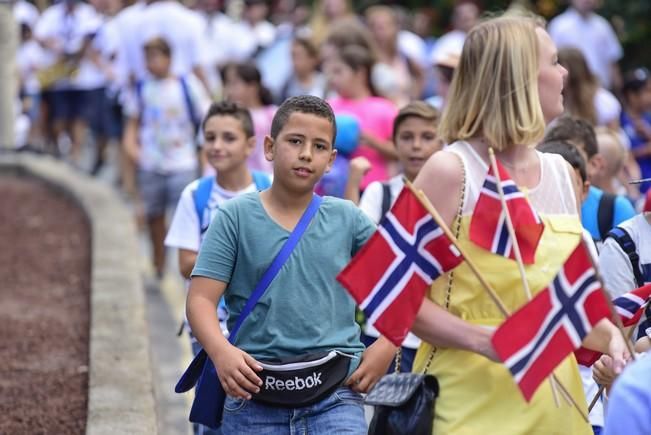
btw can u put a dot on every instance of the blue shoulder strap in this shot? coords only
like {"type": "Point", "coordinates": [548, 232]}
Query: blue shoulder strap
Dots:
{"type": "Point", "coordinates": [277, 264]}
{"type": "Point", "coordinates": [624, 240]}
{"type": "Point", "coordinates": [261, 179]}
{"type": "Point", "coordinates": [201, 196]}
{"type": "Point", "coordinates": [141, 103]}
{"type": "Point", "coordinates": [188, 103]}
{"type": "Point", "coordinates": [194, 370]}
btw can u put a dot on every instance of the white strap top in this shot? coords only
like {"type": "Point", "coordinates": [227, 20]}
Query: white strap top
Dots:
{"type": "Point", "coordinates": [554, 194]}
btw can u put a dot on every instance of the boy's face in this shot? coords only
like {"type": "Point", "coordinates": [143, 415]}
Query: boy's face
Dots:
{"type": "Point", "coordinates": [302, 152]}
{"type": "Point", "coordinates": [341, 77]}
{"type": "Point", "coordinates": [158, 63]}
{"type": "Point", "coordinates": [415, 142]}
{"type": "Point", "coordinates": [303, 62]}
{"type": "Point", "coordinates": [225, 143]}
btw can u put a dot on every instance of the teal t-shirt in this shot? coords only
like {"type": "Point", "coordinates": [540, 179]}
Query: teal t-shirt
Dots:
{"type": "Point", "coordinates": [304, 310]}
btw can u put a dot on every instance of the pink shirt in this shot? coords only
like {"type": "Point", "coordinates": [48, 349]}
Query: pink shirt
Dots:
{"type": "Point", "coordinates": [375, 115]}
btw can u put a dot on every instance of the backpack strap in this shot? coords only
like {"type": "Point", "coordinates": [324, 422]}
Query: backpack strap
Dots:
{"type": "Point", "coordinates": [624, 240]}
{"type": "Point", "coordinates": [386, 199]}
{"type": "Point", "coordinates": [201, 196]}
{"type": "Point", "coordinates": [139, 99]}
{"type": "Point", "coordinates": [605, 213]}
{"type": "Point", "coordinates": [261, 179]}
{"type": "Point", "coordinates": [188, 104]}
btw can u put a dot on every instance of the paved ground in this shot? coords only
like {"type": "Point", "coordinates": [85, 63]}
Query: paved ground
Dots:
{"type": "Point", "coordinates": [165, 304]}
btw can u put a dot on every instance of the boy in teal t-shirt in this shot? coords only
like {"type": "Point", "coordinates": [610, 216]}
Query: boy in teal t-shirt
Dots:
{"type": "Point", "coordinates": [304, 311]}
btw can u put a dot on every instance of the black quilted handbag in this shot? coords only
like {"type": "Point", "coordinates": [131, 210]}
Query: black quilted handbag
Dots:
{"type": "Point", "coordinates": [404, 404]}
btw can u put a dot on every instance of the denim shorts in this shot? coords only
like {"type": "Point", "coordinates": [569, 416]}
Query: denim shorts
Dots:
{"type": "Point", "coordinates": [340, 413]}
{"type": "Point", "coordinates": [159, 191]}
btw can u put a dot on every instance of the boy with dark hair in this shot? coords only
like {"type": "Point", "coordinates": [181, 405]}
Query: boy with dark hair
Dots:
{"type": "Point", "coordinates": [304, 314]}
{"type": "Point", "coordinates": [600, 211]}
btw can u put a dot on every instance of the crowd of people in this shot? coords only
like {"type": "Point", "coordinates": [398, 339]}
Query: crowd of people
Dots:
{"type": "Point", "coordinates": [225, 99]}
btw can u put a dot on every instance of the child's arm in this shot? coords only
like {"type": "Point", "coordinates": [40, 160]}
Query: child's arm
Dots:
{"type": "Point", "coordinates": [130, 139]}
{"type": "Point", "coordinates": [643, 344]}
{"type": "Point", "coordinates": [358, 167]}
{"type": "Point", "coordinates": [187, 258]}
{"type": "Point", "coordinates": [235, 368]}
{"type": "Point", "coordinates": [385, 148]}
{"type": "Point", "coordinates": [375, 363]}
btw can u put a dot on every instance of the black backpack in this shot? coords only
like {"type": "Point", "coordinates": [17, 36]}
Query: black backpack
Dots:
{"type": "Point", "coordinates": [605, 214]}
{"type": "Point", "coordinates": [386, 199]}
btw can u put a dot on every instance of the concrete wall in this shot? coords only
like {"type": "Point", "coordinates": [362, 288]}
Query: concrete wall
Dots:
{"type": "Point", "coordinates": [121, 395]}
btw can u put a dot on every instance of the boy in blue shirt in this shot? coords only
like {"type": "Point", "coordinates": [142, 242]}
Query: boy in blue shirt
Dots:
{"type": "Point", "coordinates": [304, 311]}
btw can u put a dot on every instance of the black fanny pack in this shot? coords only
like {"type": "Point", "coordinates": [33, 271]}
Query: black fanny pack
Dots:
{"type": "Point", "coordinates": [302, 381]}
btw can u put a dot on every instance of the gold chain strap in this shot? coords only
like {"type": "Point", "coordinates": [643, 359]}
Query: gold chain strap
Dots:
{"type": "Point", "coordinates": [457, 229]}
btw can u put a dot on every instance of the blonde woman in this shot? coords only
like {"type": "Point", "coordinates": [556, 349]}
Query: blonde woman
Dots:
{"type": "Point", "coordinates": [506, 89]}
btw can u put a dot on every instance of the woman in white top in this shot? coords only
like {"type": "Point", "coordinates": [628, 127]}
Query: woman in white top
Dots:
{"type": "Point", "coordinates": [507, 87]}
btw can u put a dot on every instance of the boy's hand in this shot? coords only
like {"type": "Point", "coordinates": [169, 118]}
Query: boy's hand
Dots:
{"type": "Point", "coordinates": [237, 372]}
{"type": "Point", "coordinates": [359, 166]}
{"type": "Point", "coordinates": [375, 363]}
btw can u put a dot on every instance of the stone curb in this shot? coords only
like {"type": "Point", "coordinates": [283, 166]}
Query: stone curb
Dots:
{"type": "Point", "coordinates": [120, 390]}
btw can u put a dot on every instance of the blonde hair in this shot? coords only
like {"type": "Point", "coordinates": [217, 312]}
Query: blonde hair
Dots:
{"type": "Point", "coordinates": [494, 92]}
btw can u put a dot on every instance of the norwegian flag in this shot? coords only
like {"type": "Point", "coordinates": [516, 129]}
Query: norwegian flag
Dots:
{"type": "Point", "coordinates": [488, 228]}
{"type": "Point", "coordinates": [540, 335]}
{"type": "Point", "coordinates": [630, 307]}
{"type": "Point", "coordinates": [390, 275]}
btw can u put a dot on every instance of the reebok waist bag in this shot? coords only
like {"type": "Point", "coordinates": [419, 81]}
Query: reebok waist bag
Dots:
{"type": "Point", "coordinates": [302, 381]}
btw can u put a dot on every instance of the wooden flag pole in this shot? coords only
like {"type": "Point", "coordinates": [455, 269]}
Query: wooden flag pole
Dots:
{"type": "Point", "coordinates": [494, 297]}
{"type": "Point", "coordinates": [516, 246]}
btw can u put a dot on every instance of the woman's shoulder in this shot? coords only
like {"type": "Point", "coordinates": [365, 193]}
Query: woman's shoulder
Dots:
{"type": "Point", "coordinates": [446, 165]}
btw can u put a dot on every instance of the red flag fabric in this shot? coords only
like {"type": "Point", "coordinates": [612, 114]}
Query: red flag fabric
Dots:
{"type": "Point", "coordinates": [540, 335]}
{"type": "Point", "coordinates": [390, 275]}
{"type": "Point", "coordinates": [488, 228]}
{"type": "Point", "coordinates": [630, 307]}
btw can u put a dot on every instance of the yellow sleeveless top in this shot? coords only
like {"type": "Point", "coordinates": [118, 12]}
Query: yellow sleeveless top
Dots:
{"type": "Point", "coordinates": [478, 396]}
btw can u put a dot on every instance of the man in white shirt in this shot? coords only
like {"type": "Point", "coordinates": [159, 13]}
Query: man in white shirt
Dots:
{"type": "Point", "coordinates": [167, 19]}
{"type": "Point", "coordinates": [579, 26]}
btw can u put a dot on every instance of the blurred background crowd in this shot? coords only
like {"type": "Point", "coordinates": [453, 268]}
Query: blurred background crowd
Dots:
{"type": "Point", "coordinates": [81, 68]}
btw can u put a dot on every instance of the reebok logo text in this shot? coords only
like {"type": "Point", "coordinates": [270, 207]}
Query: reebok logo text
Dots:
{"type": "Point", "coordinates": [296, 384]}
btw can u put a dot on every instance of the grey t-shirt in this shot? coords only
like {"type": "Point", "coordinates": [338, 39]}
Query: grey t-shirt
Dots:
{"type": "Point", "coordinates": [304, 310]}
